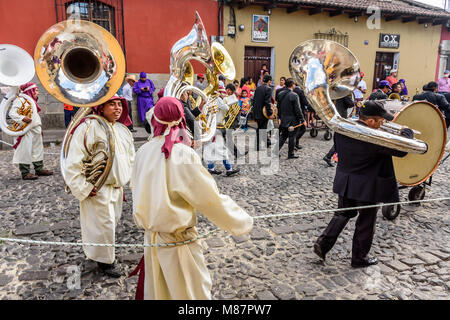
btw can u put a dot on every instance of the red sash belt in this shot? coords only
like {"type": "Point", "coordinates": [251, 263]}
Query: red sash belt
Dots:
{"type": "Point", "coordinates": [140, 269]}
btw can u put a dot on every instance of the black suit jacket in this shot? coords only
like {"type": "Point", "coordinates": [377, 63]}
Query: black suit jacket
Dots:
{"type": "Point", "coordinates": [435, 98]}
{"type": "Point", "coordinates": [365, 171]}
{"type": "Point", "coordinates": [343, 104]}
{"type": "Point", "coordinates": [378, 95]}
{"type": "Point", "coordinates": [304, 104]}
{"type": "Point", "coordinates": [262, 98]}
{"type": "Point", "coordinates": [190, 116]}
{"type": "Point", "coordinates": [289, 110]}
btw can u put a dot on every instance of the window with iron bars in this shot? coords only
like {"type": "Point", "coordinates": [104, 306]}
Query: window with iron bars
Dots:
{"type": "Point", "coordinates": [333, 35]}
{"type": "Point", "coordinates": [106, 13]}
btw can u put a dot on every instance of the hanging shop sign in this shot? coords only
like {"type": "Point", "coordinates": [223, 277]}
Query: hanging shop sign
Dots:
{"type": "Point", "coordinates": [388, 40]}
{"type": "Point", "coordinates": [260, 28]}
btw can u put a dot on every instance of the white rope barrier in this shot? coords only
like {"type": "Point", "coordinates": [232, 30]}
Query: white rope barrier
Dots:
{"type": "Point", "coordinates": [179, 243]}
{"type": "Point", "coordinates": [9, 144]}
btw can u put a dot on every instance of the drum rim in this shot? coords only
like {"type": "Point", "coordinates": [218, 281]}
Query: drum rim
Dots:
{"type": "Point", "coordinates": [442, 149]}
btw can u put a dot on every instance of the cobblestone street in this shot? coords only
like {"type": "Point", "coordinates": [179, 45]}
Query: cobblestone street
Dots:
{"type": "Point", "coordinates": [274, 261]}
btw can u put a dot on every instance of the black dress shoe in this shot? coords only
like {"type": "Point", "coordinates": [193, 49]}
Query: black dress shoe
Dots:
{"type": "Point", "coordinates": [110, 269]}
{"type": "Point", "coordinates": [318, 251]}
{"type": "Point", "coordinates": [293, 156]}
{"type": "Point", "coordinates": [298, 147]}
{"type": "Point", "coordinates": [365, 263]}
{"type": "Point", "coordinates": [231, 172]}
{"type": "Point", "coordinates": [328, 161]}
{"type": "Point", "coordinates": [214, 171]}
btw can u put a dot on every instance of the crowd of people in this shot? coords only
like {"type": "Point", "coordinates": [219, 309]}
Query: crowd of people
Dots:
{"type": "Point", "coordinates": [167, 192]}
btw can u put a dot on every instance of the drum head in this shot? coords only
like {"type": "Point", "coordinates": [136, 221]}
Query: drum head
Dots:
{"type": "Point", "coordinates": [426, 118]}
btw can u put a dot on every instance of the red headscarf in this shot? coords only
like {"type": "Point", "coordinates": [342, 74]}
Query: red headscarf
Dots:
{"type": "Point", "coordinates": [168, 120]}
{"type": "Point", "coordinates": [161, 93]}
{"type": "Point", "coordinates": [29, 89]}
{"type": "Point", "coordinates": [124, 117]}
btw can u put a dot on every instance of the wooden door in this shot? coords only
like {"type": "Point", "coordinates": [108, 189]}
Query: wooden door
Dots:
{"type": "Point", "coordinates": [254, 58]}
{"type": "Point", "coordinates": [384, 62]}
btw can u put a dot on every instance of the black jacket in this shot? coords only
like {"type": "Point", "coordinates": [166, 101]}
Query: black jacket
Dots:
{"type": "Point", "coordinates": [289, 110]}
{"type": "Point", "coordinates": [304, 104]}
{"type": "Point", "coordinates": [435, 98]}
{"type": "Point", "coordinates": [190, 116]}
{"type": "Point", "coordinates": [262, 97]}
{"type": "Point", "coordinates": [365, 171]}
{"type": "Point", "coordinates": [343, 104]}
{"type": "Point", "coordinates": [378, 95]}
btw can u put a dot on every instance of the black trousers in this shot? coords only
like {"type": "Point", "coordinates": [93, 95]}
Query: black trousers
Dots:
{"type": "Point", "coordinates": [68, 115]}
{"type": "Point", "coordinates": [331, 152]}
{"type": "Point", "coordinates": [286, 134]}
{"type": "Point", "coordinates": [300, 132]}
{"type": "Point", "coordinates": [262, 124]}
{"type": "Point", "coordinates": [364, 228]}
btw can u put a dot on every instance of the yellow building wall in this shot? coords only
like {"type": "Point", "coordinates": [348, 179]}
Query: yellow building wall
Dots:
{"type": "Point", "coordinates": [418, 45]}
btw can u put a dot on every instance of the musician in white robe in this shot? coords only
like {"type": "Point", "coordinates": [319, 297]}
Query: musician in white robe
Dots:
{"type": "Point", "coordinates": [216, 150]}
{"type": "Point", "coordinates": [100, 210]}
{"type": "Point", "coordinates": [169, 184]}
{"type": "Point", "coordinates": [29, 148]}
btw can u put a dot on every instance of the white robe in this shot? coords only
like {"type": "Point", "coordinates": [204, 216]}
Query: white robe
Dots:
{"type": "Point", "coordinates": [99, 215]}
{"type": "Point", "coordinates": [216, 150]}
{"type": "Point", "coordinates": [31, 147]}
{"type": "Point", "coordinates": [166, 193]}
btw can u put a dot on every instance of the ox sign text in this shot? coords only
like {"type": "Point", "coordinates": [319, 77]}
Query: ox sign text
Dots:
{"type": "Point", "coordinates": [389, 40]}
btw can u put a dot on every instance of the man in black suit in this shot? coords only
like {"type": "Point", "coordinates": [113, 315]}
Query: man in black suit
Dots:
{"type": "Point", "coordinates": [304, 105]}
{"type": "Point", "coordinates": [262, 98]}
{"type": "Point", "coordinates": [430, 94]}
{"type": "Point", "coordinates": [290, 115]}
{"type": "Point", "coordinates": [364, 176]}
{"type": "Point", "coordinates": [384, 88]}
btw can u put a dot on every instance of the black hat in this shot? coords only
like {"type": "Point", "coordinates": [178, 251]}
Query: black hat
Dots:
{"type": "Point", "coordinates": [374, 108]}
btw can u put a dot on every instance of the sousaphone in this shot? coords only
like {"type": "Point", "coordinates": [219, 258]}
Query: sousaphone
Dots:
{"type": "Point", "coordinates": [82, 64]}
{"type": "Point", "coordinates": [216, 59]}
{"type": "Point", "coordinates": [16, 68]}
{"type": "Point", "coordinates": [327, 70]}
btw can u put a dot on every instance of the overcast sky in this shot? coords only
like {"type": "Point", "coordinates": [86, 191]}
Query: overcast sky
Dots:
{"type": "Point", "coordinates": [437, 3]}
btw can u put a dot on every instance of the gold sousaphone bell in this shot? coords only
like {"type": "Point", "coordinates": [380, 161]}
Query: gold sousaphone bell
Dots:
{"type": "Point", "coordinates": [82, 64]}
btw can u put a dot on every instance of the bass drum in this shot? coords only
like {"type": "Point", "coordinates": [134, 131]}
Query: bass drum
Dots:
{"type": "Point", "coordinates": [424, 117]}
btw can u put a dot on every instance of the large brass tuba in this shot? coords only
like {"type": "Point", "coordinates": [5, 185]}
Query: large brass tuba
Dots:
{"type": "Point", "coordinates": [82, 64]}
{"type": "Point", "coordinates": [327, 70]}
{"type": "Point", "coordinates": [195, 46]}
{"type": "Point", "coordinates": [16, 68]}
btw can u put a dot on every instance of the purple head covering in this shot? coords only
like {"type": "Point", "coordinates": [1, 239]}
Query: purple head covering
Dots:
{"type": "Point", "coordinates": [405, 89]}
{"type": "Point", "coordinates": [142, 75]}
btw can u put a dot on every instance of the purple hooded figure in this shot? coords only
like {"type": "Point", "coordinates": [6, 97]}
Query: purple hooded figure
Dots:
{"type": "Point", "coordinates": [144, 90]}
{"type": "Point", "coordinates": [404, 91]}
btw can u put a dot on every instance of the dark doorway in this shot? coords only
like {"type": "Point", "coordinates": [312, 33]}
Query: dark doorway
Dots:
{"type": "Point", "coordinates": [384, 62]}
{"type": "Point", "coordinates": [254, 58]}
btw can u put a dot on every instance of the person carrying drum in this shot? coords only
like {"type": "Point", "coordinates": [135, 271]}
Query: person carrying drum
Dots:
{"type": "Point", "coordinates": [364, 176]}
